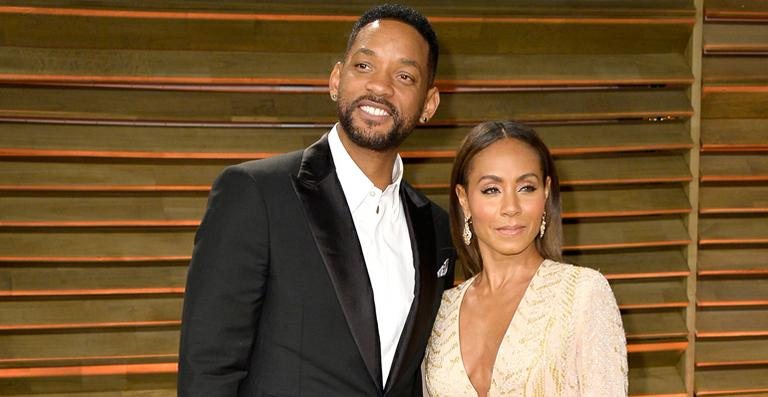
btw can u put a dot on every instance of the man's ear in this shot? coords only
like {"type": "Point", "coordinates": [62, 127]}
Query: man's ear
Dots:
{"type": "Point", "coordinates": [430, 104]}
{"type": "Point", "coordinates": [333, 80]}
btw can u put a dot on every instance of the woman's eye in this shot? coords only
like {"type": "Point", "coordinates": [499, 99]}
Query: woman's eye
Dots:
{"type": "Point", "coordinates": [490, 190]}
{"type": "Point", "coordinates": [527, 188]}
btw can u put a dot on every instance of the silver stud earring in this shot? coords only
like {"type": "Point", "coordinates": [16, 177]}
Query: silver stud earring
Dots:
{"type": "Point", "coordinates": [333, 97]}
{"type": "Point", "coordinates": [467, 233]}
{"type": "Point", "coordinates": [424, 119]}
{"type": "Point", "coordinates": [543, 226]}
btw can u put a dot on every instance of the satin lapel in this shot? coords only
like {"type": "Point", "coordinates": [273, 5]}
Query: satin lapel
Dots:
{"type": "Point", "coordinates": [417, 325]}
{"type": "Point", "coordinates": [334, 232]}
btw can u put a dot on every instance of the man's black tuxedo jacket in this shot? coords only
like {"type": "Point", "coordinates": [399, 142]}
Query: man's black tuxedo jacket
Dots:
{"type": "Point", "coordinates": [278, 299]}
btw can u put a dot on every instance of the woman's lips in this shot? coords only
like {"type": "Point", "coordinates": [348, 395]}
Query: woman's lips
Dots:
{"type": "Point", "coordinates": [510, 230]}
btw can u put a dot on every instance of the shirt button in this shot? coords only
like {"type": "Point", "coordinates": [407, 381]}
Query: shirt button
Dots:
{"type": "Point", "coordinates": [372, 193]}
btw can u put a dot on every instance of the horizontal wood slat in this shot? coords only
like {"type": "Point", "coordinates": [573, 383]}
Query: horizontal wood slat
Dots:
{"type": "Point", "coordinates": [732, 292]}
{"type": "Point", "coordinates": [118, 346]}
{"type": "Point", "coordinates": [734, 199]}
{"type": "Point", "coordinates": [736, 10]}
{"type": "Point", "coordinates": [656, 374]}
{"type": "Point", "coordinates": [181, 175]}
{"type": "Point", "coordinates": [734, 168]}
{"type": "Point", "coordinates": [179, 142]}
{"type": "Point", "coordinates": [625, 170]}
{"type": "Point", "coordinates": [610, 202]}
{"type": "Point", "coordinates": [590, 235]}
{"type": "Point", "coordinates": [96, 243]}
{"type": "Point", "coordinates": [733, 261]}
{"type": "Point", "coordinates": [734, 101]}
{"type": "Point", "coordinates": [672, 8]}
{"type": "Point", "coordinates": [713, 322]}
{"type": "Point", "coordinates": [173, 242]}
{"type": "Point", "coordinates": [732, 38]}
{"type": "Point", "coordinates": [92, 292]}
{"type": "Point", "coordinates": [753, 230]}
{"type": "Point", "coordinates": [258, 33]}
{"type": "Point", "coordinates": [654, 324]}
{"type": "Point", "coordinates": [122, 381]}
{"type": "Point", "coordinates": [110, 173]}
{"type": "Point", "coordinates": [169, 67]}
{"type": "Point", "coordinates": [723, 69]}
{"type": "Point", "coordinates": [731, 381]}
{"type": "Point", "coordinates": [129, 210]}
{"type": "Point", "coordinates": [734, 135]}
{"type": "Point", "coordinates": [650, 294]}
{"type": "Point", "coordinates": [84, 141]}
{"type": "Point", "coordinates": [53, 277]}
{"type": "Point", "coordinates": [726, 353]}
{"type": "Point", "coordinates": [639, 348]}
{"type": "Point", "coordinates": [93, 311]}
{"type": "Point", "coordinates": [145, 346]}
{"type": "Point", "coordinates": [655, 200]}
{"type": "Point", "coordinates": [200, 108]}
{"type": "Point", "coordinates": [186, 210]}
{"type": "Point", "coordinates": [68, 260]}
{"type": "Point", "coordinates": [634, 264]}
{"type": "Point", "coordinates": [69, 327]}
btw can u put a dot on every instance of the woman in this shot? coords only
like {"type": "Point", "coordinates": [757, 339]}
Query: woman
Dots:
{"type": "Point", "coordinates": [523, 324]}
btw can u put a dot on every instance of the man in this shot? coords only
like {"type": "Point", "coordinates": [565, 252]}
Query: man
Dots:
{"type": "Point", "coordinates": [320, 272]}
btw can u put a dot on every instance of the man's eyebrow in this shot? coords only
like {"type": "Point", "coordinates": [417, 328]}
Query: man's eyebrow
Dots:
{"type": "Point", "coordinates": [366, 51]}
{"type": "Point", "coordinates": [404, 61]}
{"type": "Point", "coordinates": [409, 62]}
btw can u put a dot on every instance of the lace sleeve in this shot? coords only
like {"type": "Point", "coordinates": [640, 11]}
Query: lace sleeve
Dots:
{"type": "Point", "coordinates": [601, 343]}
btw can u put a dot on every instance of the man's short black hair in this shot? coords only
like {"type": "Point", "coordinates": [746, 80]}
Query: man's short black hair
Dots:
{"type": "Point", "coordinates": [405, 15]}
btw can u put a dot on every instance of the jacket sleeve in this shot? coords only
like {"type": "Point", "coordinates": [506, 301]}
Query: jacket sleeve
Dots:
{"type": "Point", "coordinates": [601, 342]}
{"type": "Point", "coordinates": [226, 282]}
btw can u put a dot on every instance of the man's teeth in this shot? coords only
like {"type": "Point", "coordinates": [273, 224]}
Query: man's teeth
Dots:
{"type": "Point", "coordinates": [374, 111]}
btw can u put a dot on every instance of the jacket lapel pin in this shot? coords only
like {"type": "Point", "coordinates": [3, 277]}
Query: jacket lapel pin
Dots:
{"type": "Point", "coordinates": [443, 270]}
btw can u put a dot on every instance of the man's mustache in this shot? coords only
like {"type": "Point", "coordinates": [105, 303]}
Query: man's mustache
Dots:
{"type": "Point", "coordinates": [379, 100]}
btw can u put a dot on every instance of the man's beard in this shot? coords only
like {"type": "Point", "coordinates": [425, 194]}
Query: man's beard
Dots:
{"type": "Point", "coordinates": [366, 138]}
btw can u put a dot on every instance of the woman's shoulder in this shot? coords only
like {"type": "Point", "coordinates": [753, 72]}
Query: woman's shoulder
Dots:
{"type": "Point", "coordinates": [580, 274]}
{"type": "Point", "coordinates": [584, 282]}
{"type": "Point", "coordinates": [451, 296]}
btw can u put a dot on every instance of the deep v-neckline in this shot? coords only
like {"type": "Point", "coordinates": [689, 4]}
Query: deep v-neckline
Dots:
{"type": "Point", "coordinates": [506, 330]}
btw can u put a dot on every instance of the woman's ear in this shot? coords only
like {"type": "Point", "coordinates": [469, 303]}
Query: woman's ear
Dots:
{"type": "Point", "coordinates": [547, 188]}
{"type": "Point", "coordinates": [461, 194]}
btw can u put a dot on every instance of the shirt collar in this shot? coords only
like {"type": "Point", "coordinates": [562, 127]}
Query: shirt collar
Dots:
{"type": "Point", "coordinates": [354, 182]}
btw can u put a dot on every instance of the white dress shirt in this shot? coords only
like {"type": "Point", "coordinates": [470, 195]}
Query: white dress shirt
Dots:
{"type": "Point", "coordinates": [382, 230]}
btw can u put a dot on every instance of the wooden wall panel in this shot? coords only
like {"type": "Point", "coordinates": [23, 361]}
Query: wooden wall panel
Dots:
{"type": "Point", "coordinates": [111, 133]}
{"type": "Point", "coordinates": [732, 335]}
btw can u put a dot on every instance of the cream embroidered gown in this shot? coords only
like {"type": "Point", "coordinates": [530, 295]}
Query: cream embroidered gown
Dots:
{"type": "Point", "coordinates": [565, 339]}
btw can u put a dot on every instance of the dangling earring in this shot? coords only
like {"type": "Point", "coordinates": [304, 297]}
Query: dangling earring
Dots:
{"type": "Point", "coordinates": [467, 234]}
{"type": "Point", "coordinates": [543, 226]}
